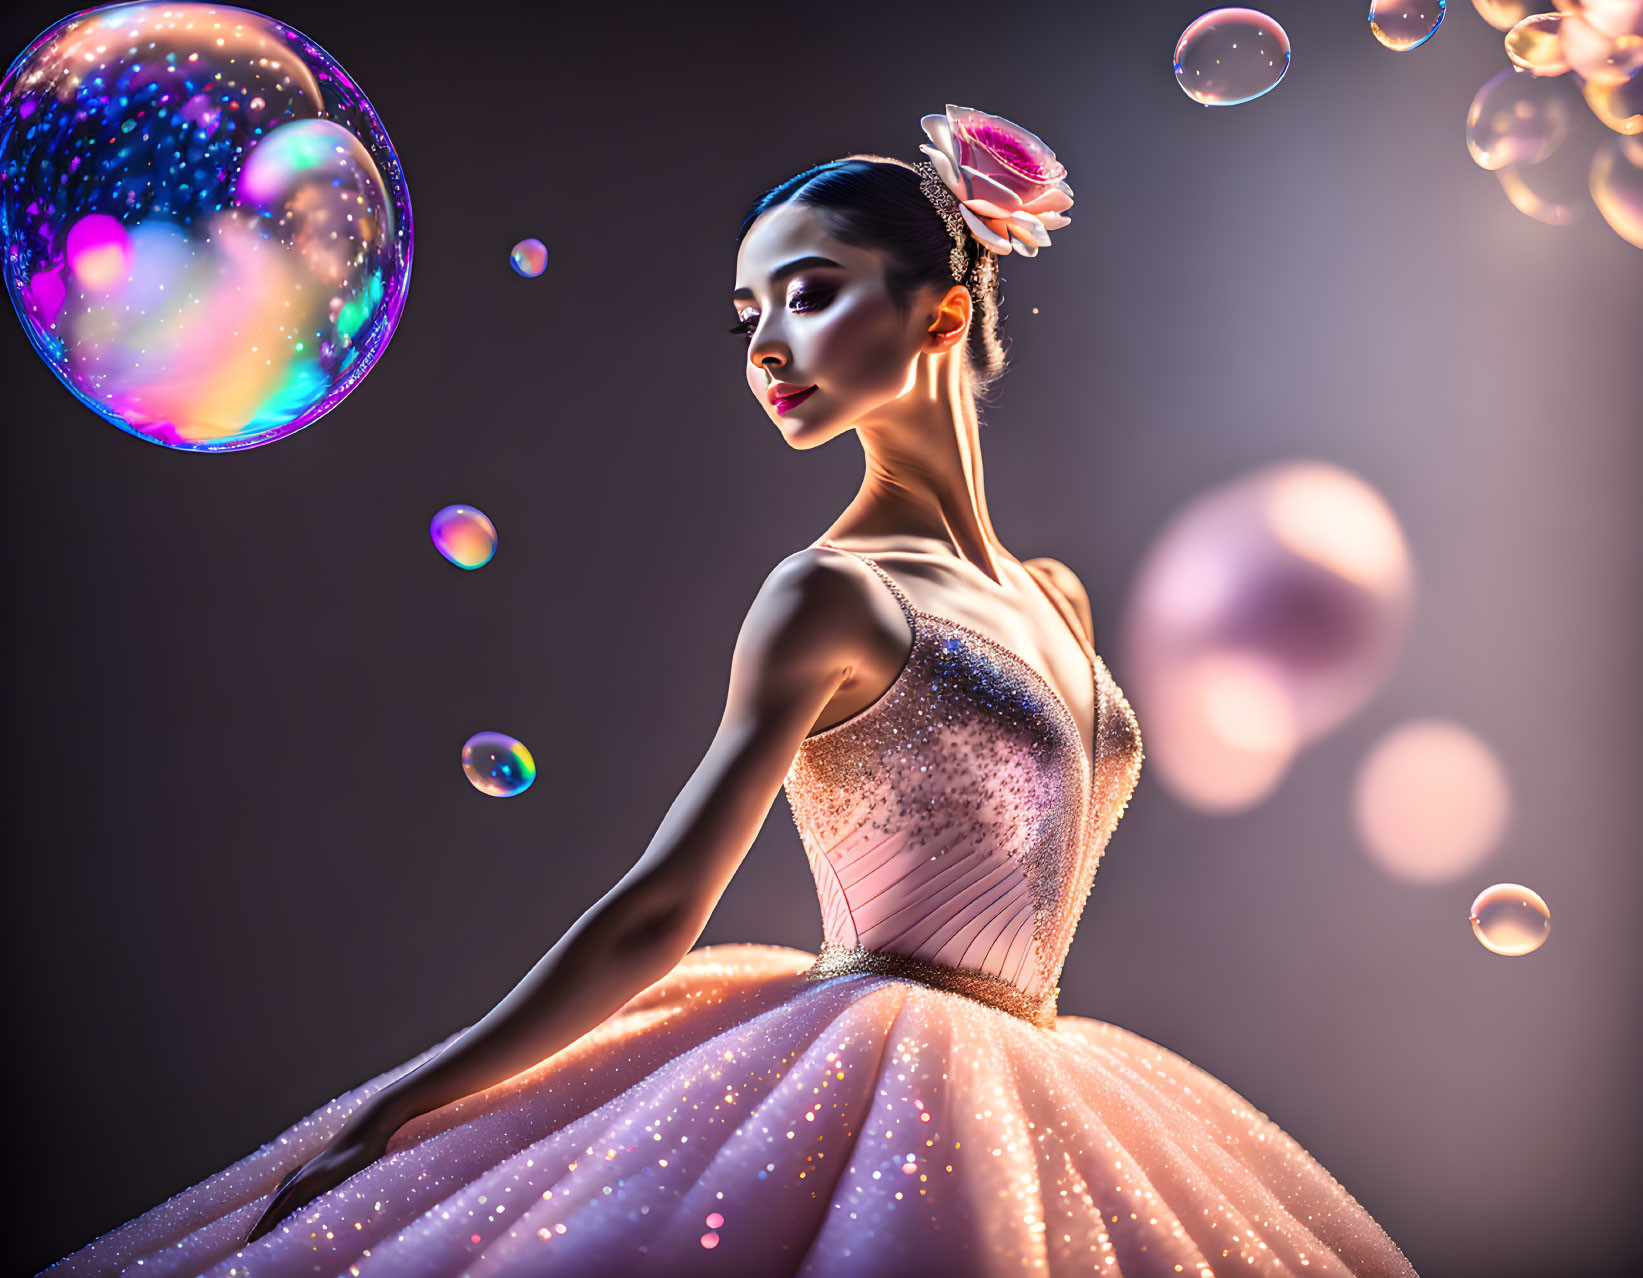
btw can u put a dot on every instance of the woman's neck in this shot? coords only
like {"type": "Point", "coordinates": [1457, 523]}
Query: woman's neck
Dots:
{"type": "Point", "coordinates": [923, 474]}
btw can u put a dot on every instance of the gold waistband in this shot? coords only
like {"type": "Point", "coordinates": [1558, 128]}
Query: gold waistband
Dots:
{"type": "Point", "coordinates": [839, 960]}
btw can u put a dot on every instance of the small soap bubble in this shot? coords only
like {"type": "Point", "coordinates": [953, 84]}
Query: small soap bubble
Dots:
{"type": "Point", "coordinates": [1518, 118]}
{"type": "Point", "coordinates": [498, 765]}
{"type": "Point", "coordinates": [1510, 919]}
{"type": "Point", "coordinates": [1228, 56]}
{"type": "Point", "coordinates": [529, 258]}
{"type": "Point", "coordinates": [1617, 186]}
{"type": "Point", "coordinates": [1536, 44]}
{"type": "Point", "coordinates": [1402, 25]}
{"type": "Point", "coordinates": [464, 536]}
{"type": "Point", "coordinates": [1618, 106]}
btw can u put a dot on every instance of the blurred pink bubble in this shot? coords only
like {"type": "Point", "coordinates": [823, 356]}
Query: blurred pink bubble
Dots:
{"type": "Point", "coordinates": [1595, 55]}
{"type": "Point", "coordinates": [1613, 17]}
{"type": "Point", "coordinates": [1264, 614]}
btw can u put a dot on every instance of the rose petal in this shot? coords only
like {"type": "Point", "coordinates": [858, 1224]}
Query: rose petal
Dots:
{"type": "Point", "coordinates": [989, 210]}
{"type": "Point", "coordinates": [1024, 242]}
{"type": "Point", "coordinates": [949, 151]}
{"type": "Point", "coordinates": [1053, 221]}
{"type": "Point", "coordinates": [1052, 201]}
{"type": "Point", "coordinates": [1023, 221]}
{"type": "Point", "coordinates": [940, 132]}
{"type": "Point", "coordinates": [1001, 227]}
{"type": "Point", "coordinates": [999, 243]}
{"type": "Point", "coordinates": [947, 171]}
{"type": "Point", "coordinates": [1025, 147]}
{"type": "Point", "coordinates": [992, 190]}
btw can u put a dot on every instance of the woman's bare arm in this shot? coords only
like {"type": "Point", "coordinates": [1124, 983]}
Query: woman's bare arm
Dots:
{"type": "Point", "coordinates": [802, 635]}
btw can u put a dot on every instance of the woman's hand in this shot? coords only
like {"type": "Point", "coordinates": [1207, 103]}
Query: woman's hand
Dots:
{"type": "Point", "coordinates": [355, 1147]}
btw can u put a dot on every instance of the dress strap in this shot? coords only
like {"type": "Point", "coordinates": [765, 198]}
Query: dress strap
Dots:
{"type": "Point", "coordinates": [1062, 605]}
{"type": "Point", "coordinates": [907, 608]}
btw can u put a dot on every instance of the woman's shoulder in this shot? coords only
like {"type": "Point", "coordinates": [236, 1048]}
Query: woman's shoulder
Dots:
{"type": "Point", "coordinates": [826, 575]}
{"type": "Point", "coordinates": [824, 598]}
{"type": "Point", "coordinates": [1066, 581]}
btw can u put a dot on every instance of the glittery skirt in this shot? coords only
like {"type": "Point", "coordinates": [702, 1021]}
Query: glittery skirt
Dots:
{"type": "Point", "coordinates": [741, 1117]}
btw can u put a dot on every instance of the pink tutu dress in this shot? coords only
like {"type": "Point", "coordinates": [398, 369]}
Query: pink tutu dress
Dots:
{"type": "Point", "coordinates": [906, 1103]}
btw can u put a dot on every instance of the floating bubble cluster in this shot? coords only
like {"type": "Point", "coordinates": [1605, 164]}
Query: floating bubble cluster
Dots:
{"type": "Point", "coordinates": [464, 536]}
{"type": "Point", "coordinates": [207, 231]}
{"type": "Point", "coordinates": [498, 765]}
{"type": "Point", "coordinates": [1586, 49]}
{"type": "Point", "coordinates": [529, 258]}
{"type": "Point", "coordinates": [1402, 25]}
{"type": "Point", "coordinates": [1229, 56]}
{"type": "Point", "coordinates": [1510, 919]}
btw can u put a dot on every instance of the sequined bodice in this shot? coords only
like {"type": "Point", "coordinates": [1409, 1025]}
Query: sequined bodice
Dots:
{"type": "Point", "coordinates": [958, 819]}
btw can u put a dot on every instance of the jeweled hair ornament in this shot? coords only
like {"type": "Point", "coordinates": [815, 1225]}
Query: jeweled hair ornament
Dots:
{"type": "Point", "coordinates": [992, 179]}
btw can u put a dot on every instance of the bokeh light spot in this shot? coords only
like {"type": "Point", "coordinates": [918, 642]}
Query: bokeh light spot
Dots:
{"type": "Point", "coordinates": [1431, 801]}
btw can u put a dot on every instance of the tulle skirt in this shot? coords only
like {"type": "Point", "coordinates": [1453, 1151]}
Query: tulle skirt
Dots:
{"type": "Point", "coordinates": [737, 1118]}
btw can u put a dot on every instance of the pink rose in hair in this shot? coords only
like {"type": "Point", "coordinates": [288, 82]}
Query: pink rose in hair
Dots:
{"type": "Point", "coordinates": [1011, 189]}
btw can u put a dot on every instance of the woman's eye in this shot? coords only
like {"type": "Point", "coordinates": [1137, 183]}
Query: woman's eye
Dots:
{"type": "Point", "coordinates": [801, 300]}
{"type": "Point", "coordinates": [809, 300]}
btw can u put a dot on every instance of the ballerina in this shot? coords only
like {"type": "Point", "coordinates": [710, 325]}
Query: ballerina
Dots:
{"type": "Point", "coordinates": [956, 755]}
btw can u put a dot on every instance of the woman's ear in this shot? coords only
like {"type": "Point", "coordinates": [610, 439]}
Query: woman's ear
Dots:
{"type": "Point", "coordinates": [952, 320]}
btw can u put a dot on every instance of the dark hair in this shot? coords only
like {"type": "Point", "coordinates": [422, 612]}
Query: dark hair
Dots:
{"type": "Point", "coordinates": [874, 202]}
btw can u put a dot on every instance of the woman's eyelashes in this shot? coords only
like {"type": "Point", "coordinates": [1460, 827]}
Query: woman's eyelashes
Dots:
{"type": "Point", "coordinates": [801, 300]}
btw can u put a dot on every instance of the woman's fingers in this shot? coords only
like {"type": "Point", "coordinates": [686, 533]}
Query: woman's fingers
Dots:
{"type": "Point", "coordinates": [350, 1153]}
{"type": "Point", "coordinates": [276, 1210]}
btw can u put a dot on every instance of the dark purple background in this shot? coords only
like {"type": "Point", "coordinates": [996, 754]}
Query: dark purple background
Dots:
{"type": "Point", "coordinates": [247, 872]}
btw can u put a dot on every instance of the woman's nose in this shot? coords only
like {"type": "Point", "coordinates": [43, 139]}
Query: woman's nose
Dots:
{"type": "Point", "coordinates": [768, 356]}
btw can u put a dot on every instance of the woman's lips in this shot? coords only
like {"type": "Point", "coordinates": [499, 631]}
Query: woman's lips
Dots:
{"type": "Point", "coordinates": [786, 402]}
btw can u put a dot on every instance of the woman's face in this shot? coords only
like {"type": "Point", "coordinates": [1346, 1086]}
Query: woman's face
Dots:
{"type": "Point", "coordinates": [826, 348]}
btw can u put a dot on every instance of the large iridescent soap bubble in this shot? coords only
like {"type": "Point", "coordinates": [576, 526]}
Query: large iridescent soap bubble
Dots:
{"type": "Point", "coordinates": [208, 235]}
